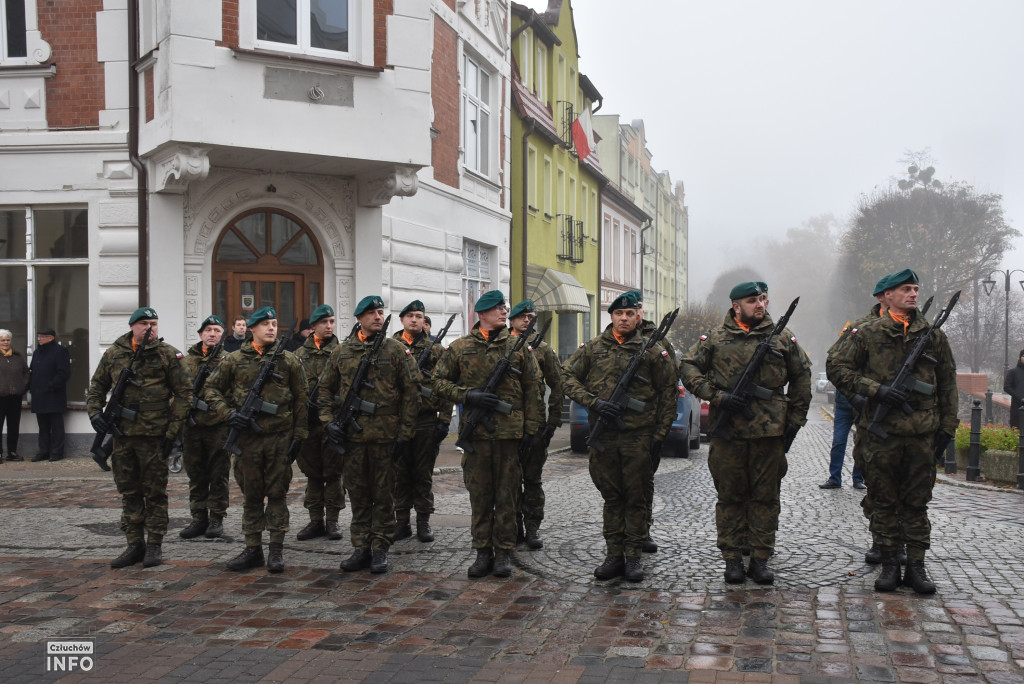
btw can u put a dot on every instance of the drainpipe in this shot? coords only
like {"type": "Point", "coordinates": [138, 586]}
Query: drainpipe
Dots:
{"type": "Point", "coordinates": [133, 151]}
{"type": "Point", "coordinates": [526, 196]}
{"type": "Point", "coordinates": [643, 253]}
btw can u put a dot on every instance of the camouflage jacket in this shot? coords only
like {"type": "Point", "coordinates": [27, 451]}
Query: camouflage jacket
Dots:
{"type": "Point", "coordinates": [226, 390]}
{"type": "Point", "coordinates": [394, 389]}
{"type": "Point", "coordinates": [193, 361]}
{"type": "Point", "coordinates": [872, 315]}
{"type": "Point", "coordinates": [871, 355]}
{"type": "Point", "coordinates": [314, 361]}
{"type": "Point", "coordinates": [594, 369]}
{"type": "Point", "coordinates": [432, 408]}
{"type": "Point", "coordinates": [161, 397]}
{"type": "Point", "coordinates": [467, 364]}
{"type": "Point", "coordinates": [715, 363]}
{"type": "Point", "coordinates": [551, 369]}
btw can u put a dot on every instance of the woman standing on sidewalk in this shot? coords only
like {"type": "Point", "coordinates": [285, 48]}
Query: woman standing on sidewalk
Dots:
{"type": "Point", "coordinates": [13, 384]}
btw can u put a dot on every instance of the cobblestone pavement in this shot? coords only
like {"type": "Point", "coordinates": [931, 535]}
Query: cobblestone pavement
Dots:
{"type": "Point", "coordinates": [190, 620]}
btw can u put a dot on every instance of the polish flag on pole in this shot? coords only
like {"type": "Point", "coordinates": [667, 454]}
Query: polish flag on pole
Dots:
{"type": "Point", "coordinates": [583, 134]}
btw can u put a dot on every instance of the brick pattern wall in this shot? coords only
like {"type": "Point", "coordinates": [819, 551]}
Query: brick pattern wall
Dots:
{"type": "Point", "coordinates": [382, 9]}
{"type": "Point", "coordinates": [229, 23]}
{"type": "Point", "coordinates": [147, 84]}
{"type": "Point", "coordinates": [445, 96]}
{"type": "Point", "coordinates": [75, 95]}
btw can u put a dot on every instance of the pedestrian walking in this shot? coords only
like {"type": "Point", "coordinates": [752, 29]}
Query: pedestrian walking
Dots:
{"type": "Point", "coordinates": [1013, 384]}
{"type": "Point", "coordinates": [158, 398]}
{"type": "Point", "coordinates": [50, 371]}
{"type": "Point", "coordinates": [13, 385]}
{"type": "Point", "coordinates": [747, 455]}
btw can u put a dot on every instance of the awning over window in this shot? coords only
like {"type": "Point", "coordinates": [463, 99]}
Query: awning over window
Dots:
{"type": "Point", "coordinates": [558, 291]}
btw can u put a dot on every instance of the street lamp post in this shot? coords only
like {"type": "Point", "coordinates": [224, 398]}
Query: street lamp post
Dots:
{"type": "Point", "coordinates": [989, 286]}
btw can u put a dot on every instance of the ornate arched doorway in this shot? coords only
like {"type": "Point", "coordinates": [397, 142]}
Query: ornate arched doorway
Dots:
{"type": "Point", "coordinates": [267, 257]}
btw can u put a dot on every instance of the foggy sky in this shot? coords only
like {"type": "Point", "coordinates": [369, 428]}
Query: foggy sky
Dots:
{"type": "Point", "coordinates": [772, 113]}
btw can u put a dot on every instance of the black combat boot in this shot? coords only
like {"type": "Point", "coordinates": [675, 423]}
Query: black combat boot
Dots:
{"type": "Point", "coordinates": [379, 561]}
{"type": "Point", "coordinates": [275, 557]}
{"type": "Point", "coordinates": [312, 530]}
{"type": "Point", "coordinates": [13, 456]}
{"type": "Point", "coordinates": [634, 572]}
{"type": "Point", "coordinates": [613, 566]}
{"type": "Point", "coordinates": [533, 539]}
{"type": "Point", "coordinates": [901, 554]}
{"type": "Point", "coordinates": [403, 529]}
{"type": "Point", "coordinates": [423, 531]}
{"type": "Point", "coordinates": [873, 555]}
{"type": "Point", "coordinates": [502, 563]}
{"type": "Point", "coordinates": [215, 528]}
{"type": "Point", "coordinates": [649, 545]}
{"type": "Point", "coordinates": [195, 528]}
{"type": "Point", "coordinates": [39, 457]}
{"type": "Point", "coordinates": [889, 577]}
{"type": "Point", "coordinates": [135, 552]}
{"type": "Point", "coordinates": [481, 567]}
{"type": "Point", "coordinates": [759, 571]}
{"type": "Point", "coordinates": [333, 530]}
{"type": "Point", "coordinates": [359, 559]}
{"type": "Point", "coordinates": [154, 556]}
{"type": "Point", "coordinates": [251, 557]}
{"type": "Point", "coordinates": [916, 578]}
{"type": "Point", "coordinates": [734, 571]}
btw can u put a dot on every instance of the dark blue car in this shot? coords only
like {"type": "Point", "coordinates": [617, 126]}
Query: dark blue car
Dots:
{"type": "Point", "coordinates": [683, 436]}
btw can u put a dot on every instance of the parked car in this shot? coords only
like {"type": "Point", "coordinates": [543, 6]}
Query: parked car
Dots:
{"type": "Point", "coordinates": [705, 421]}
{"type": "Point", "coordinates": [683, 436]}
{"type": "Point", "coordinates": [821, 384]}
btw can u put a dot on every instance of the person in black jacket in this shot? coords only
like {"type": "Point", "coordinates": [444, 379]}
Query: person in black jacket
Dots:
{"type": "Point", "coordinates": [50, 370]}
{"type": "Point", "coordinates": [1013, 385]}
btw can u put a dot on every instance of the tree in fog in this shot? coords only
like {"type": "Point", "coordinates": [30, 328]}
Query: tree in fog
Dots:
{"type": "Point", "coordinates": [991, 323]}
{"type": "Point", "coordinates": [719, 296]}
{"type": "Point", "coordinates": [693, 321]}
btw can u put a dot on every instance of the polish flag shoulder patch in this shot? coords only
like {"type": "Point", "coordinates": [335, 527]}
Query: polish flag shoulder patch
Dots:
{"type": "Point", "coordinates": [703, 337]}
{"type": "Point", "coordinates": [854, 331]}
{"type": "Point", "coordinates": [664, 353]}
{"type": "Point", "coordinates": [408, 352]}
{"type": "Point", "coordinates": [178, 355]}
{"type": "Point", "coordinates": [793, 339]}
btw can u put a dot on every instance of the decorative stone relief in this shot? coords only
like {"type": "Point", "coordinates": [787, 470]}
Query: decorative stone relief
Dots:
{"type": "Point", "coordinates": [377, 189]}
{"type": "Point", "coordinates": [178, 166]}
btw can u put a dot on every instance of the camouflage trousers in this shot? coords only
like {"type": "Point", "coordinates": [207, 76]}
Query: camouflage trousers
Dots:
{"type": "Point", "coordinates": [530, 508]}
{"type": "Point", "coordinates": [263, 473]}
{"type": "Point", "coordinates": [649, 491]}
{"type": "Point", "coordinates": [900, 475]}
{"type": "Point", "coordinates": [621, 473]}
{"type": "Point", "coordinates": [492, 475]}
{"type": "Point", "coordinates": [208, 467]}
{"type": "Point", "coordinates": [748, 477]}
{"type": "Point", "coordinates": [414, 475]}
{"type": "Point", "coordinates": [370, 480]}
{"type": "Point", "coordinates": [321, 464]}
{"type": "Point", "coordinates": [140, 473]}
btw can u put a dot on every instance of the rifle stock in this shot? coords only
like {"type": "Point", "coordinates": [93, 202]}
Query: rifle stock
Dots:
{"type": "Point", "coordinates": [354, 405]}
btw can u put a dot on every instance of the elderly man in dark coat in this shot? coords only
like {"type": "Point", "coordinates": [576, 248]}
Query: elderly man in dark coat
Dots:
{"type": "Point", "coordinates": [51, 368]}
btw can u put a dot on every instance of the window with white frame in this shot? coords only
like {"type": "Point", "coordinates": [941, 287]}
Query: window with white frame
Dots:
{"type": "Point", "coordinates": [476, 116]}
{"type": "Point", "coordinates": [13, 36]}
{"type": "Point", "coordinates": [314, 27]}
{"type": "Point", "coordinates": [476, 277]}
{"type": "Point", "coordinates": [533, 171]}
{"type": "Point", "coordinates": [607, 256]}
{"type": "Point", "coordinates": [546, 181]}
{"type": "Point", "coordinates": [541, 72]}
{"type": "Point", "coordinates": [526, 59]}
{"type": "Point", "coordinates": [44, 281]}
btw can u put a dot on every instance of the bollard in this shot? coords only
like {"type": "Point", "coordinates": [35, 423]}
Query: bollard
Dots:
{"type": "Point", "coordinates": [988, 407]}
{"type": "Point", "coordinates": [951, 456]}
{"type": "Point", "coordinates": [1020, 453]}
{"type": "Point", "coordinates": [974, 454]}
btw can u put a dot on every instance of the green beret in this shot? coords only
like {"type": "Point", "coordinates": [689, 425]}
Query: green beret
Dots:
{"type": "Point", "coordinates": [894, 280]}
{"type": "Point", "coordinates": [212, 319]}
{"type": "Point", "coordinates": [763, 285]}
{"type": "Point", "coordinates": [744, 290]}
{"type": "Point", "coordinates": [263, 313]}
{"type": "Point", "coordinates": [367, 303]}
{"type": "Point", "coordinates": [320, 312]}
{"type": "Point", "coordinates": [525, 306]}
{"type": "Point", "coordinates": [488, 300]}
{"type": "Point", "coordinates": [638, 294]}
{"type": "Point", "coordinates": [626, 300]}
{"type": "Point", "coordinates": [414, 305]}
{"type": "Point", "coordinates": [143, 313]}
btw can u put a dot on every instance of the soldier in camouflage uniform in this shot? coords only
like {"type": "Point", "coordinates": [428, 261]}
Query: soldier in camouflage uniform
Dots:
{"type": "Point", "coordinates": [530, 508]}
{"type": "Point", "coordinates": [490, 468]}
{"type": "Point", "coordinates": [414, 478]}
{"type": "Point", "coordinates": [622, 470]}
{"type": "Point", "coordinates": [160, 399]}
{"type": "Point", "coordinates": [207, 464]}
{"type": "Point", "coordinates": [747, 457]}
{"type": "Point", "coordinates": [391, 392]}
{"type": "Point", "coordinates": [263, 470]}
{"type": "Point", "coordinates": [900, 467]}
{"type": "Point", "coordinates": [318, 461]}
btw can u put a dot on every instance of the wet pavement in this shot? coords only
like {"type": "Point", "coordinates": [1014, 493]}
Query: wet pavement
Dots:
{"type": "Point", "coordinates": [191, 620]}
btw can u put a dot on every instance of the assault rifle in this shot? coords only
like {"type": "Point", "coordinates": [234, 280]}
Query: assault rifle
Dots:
{"type": "Point", "coordinates": [481, 416]}
{"type": "Point", "coordinates": [905, 382]}
{"type": "Point", "coordinates": [620, 395]}
{"type": "Point", "coordinates": [424, 356]}
{"type": "Point", "coordinates": [253, 404]}
{"type": "Point", "coordinates": [354, 405]}
{"type": "Point", "coordinates": [174, 465]}
{"type": "Point", "coordinates": [539, 337]}
{"type": "Point", "coordinates": [115, 411]}
{"type": "Point", "coordinates": [745, 387]}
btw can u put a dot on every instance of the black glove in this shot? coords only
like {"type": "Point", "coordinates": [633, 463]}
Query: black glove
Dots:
{"type": "Point", "coordinates": [942, 440]}
{"type": "Point", "coordinates": [789, 435]}
{"type": "Point", "coordinates": [607, 409]}
{"type": "Point", "coordinates": [525, 444]}
{"type": "Point", "coordinates": [478, 398]}
{"type": "Point", "coordinates": [858, 402]}
{"type": "Point", "coordinates": [166, 446]}
{"type": "Point", "coordinates": [237, 421]}
{"type": "Point", "coordinates": [732, 403]}
{"type": "Point", "coordinates": [99, 424]}
{"type": "Point", "coordinates": [335, 432]}
{"type": "Point", "coordinates": [440, 431]}
{"type": "Point", "coordinates": [294, 447]}
{"type": "Point", "coordinates": [891, 396]}
{"type": "Point", "coordinates": [398, 449]}
{"type": "Point", "coordinates": [547, 434]}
